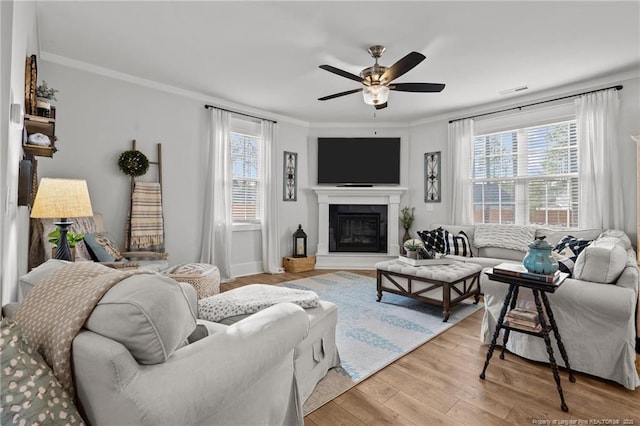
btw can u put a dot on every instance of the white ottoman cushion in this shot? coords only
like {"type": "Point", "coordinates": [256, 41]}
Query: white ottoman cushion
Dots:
{"type": "Point", "coordinates": [250, 299]}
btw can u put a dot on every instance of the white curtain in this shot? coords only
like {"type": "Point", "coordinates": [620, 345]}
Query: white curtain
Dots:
{"type": "Point", "coordinates": [600, 199]}
{"type": "Point", "coordinates": [460, 166]}
{"type": "Point", "coordinates": [269, 217]}
{"type": "Point", "coordinates": [217, 226]}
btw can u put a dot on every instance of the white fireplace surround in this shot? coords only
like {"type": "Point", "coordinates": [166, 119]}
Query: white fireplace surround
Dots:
{"type": "Point", "coordinates": [378, 195]}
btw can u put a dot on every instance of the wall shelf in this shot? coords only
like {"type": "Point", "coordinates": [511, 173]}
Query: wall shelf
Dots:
{"type": "Point", "coordinates": [46, 126]}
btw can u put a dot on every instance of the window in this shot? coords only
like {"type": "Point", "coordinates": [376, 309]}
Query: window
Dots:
{"type": "Point", "coordinates": [527, 176]}
{"type": "Point", "coordinates": [246, 140]}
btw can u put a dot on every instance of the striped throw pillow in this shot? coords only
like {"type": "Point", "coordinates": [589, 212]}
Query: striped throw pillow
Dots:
{"type": "Point", "coordinates": [458, 244]}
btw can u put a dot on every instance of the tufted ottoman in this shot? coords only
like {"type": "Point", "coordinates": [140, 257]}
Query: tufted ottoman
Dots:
{"type": "Point", "coordinates": [440, 285]}
{"type": "Point", "coordinates": [203, 277]}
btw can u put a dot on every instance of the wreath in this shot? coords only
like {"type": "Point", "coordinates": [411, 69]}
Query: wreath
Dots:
{"type": "Point", "coordinates": [133, 163]}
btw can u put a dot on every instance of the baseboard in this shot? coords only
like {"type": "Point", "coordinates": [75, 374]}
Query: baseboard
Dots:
{"type": "Point", "coordinates": [244, 269]}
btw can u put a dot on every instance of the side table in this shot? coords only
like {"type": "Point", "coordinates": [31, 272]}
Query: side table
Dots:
{"type": "Point", "coordinates": [539, 290]}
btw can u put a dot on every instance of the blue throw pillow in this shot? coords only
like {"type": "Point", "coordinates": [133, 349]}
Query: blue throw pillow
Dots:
{"type": "Point", "coordinates": [101, 248]}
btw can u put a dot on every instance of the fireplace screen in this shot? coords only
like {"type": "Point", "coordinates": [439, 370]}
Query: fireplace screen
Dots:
{"type": "Point", "coordinates": [357, 228]}
{"type": "Point", "coordinates": [358, 232]}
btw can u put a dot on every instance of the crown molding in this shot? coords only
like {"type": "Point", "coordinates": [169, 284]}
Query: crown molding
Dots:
{"type": "Point", "coordinates": [368, 125]}
{"type": "Point", "coordinates": [566, 90]}
{"type": "Point", "coordinates": [151, 84]}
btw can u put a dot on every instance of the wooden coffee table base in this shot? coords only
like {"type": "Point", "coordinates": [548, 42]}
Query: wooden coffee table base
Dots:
{"type": "Point", "coordinates": [416, 287]}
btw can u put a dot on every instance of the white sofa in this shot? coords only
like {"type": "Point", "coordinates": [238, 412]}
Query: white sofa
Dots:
{"type": "Point", "coordinates": [141, 359]}
{"type": "Point", "coordinates": [598, 321]}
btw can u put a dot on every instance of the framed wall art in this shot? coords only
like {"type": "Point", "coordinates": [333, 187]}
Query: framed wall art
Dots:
{"type": "Point", "coordinates": [432, 177]}
{"type": "Point", "coordinates": [290, 187]}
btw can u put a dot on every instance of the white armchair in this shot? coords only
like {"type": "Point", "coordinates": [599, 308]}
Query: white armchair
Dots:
{"type": "Point", "coordinates": [239, 376]}
{"type": "Point", "coordinates": [142, 358]}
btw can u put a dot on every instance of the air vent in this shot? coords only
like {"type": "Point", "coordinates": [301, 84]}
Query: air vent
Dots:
{"type": "Point", "coordinates": [514, 90]}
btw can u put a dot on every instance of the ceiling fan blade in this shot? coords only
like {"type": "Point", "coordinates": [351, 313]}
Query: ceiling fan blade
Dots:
{"type": "Point", "coordinates": [337, 95]}
{"type": "Point", "coordinates": [417, 87]}
{"type": "Point", "coordinates": [341, 73]}
{"type": "Point", "coordinates": [381, 106]}
{"type": "Point", "coordinates": [402, 66]}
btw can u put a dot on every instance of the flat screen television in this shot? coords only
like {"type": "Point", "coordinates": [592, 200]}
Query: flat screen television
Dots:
{"type": "Point", "coordinates": [359, 161]}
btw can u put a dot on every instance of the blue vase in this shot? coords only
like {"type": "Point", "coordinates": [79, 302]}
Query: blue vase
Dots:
{"type": "Point", "coordinates": [539, 259]}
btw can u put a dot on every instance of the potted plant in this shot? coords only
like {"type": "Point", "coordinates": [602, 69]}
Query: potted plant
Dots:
{"type": "Point", "coordinates": [72, 238]}
{"type": "Point", "coordinates": [44, 96]}
{"type": "Point", "coordinates": [406, 220]}
{"type": "Point", "coordinates": [412, 246]}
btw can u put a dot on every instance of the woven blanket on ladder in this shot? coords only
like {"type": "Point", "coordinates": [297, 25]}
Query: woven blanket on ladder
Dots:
{"type": "Point", "coordinates": [146, 222]}
{"type": "Point", "coordinates": [252, 298]}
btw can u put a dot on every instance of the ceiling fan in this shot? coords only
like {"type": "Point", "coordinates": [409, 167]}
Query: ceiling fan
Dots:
{"type": "Point", "coordinates": [377, 79]}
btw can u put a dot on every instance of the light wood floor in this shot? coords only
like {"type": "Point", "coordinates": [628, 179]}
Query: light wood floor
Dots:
{"type": "Point", "coordinates": [438, 384]}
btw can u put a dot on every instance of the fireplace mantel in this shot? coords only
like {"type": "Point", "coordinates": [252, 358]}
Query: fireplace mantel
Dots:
{"type": "Point", "coordinates": [382, 195]}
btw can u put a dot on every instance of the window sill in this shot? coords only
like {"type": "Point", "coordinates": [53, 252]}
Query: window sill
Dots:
{"type": "Point", "coordinates": [241, 227]}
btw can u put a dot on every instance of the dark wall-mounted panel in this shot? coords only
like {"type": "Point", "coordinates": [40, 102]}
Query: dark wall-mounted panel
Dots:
{"type": "Point", "coordinates": [25, 182]}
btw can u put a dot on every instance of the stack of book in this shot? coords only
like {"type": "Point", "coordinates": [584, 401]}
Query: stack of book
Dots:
{"type": "Point", "coordinates": [524, 319]}
{"type": "Point", "coordinates": [519, 271]}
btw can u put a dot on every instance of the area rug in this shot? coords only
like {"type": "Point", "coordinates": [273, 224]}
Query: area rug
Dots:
{"type": "Point", "coordinates": [371, 335]}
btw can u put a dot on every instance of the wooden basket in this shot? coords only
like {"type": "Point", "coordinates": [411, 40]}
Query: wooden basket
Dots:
{"type": "Point", "coordinates": [299, 264]}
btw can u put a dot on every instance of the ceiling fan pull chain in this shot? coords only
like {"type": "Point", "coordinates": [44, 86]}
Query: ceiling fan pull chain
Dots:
{"type": "Point", "coordinates": [375, 132]}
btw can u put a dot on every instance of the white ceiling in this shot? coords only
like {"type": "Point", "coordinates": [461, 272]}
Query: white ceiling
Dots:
{"type": "Point", "coordinates": [266, 54]}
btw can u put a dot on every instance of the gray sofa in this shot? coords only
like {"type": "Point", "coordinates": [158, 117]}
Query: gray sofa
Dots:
{"type": "Point", "coordinates": [596, 310]}
{"type": "Point", "coordinates": [141, 359]}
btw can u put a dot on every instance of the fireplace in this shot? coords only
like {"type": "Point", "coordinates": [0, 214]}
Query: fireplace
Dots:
{"type": "Point", "coordinates": [358, 228]}
{"type": "Point", "coordinates": [386, 198]}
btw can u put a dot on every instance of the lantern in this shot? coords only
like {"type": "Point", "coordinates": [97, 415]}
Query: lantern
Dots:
{"type": "Point", "coordinates": [299, 243]}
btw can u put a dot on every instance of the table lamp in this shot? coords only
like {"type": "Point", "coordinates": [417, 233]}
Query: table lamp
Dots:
{"type": "Point", "coordinates": [62, 199]}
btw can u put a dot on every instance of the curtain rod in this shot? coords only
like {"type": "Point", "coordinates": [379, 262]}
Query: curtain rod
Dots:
{"type": "Point", "coordinates": [618, 87]}
{"type": "Point", "coordinates": [239, 113]}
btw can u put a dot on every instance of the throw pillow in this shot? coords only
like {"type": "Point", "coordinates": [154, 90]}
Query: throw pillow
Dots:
{"type": "Point", "coordinates": [147, 313]}
{"type": "Point", "coordinates": [601, 262]}
{"type": "Point", "coordinates": [37, 274]}
{"type": "Point", "coordinates": [567, 252]}
{"type": "Point", "coordinates": [101, 248]}
{"type": "Point", "coordinates": [458, 244]}
{"type": "Point", "coordinates": [435, 239]}
{"type": "Point", "coordinates": [30, 394]}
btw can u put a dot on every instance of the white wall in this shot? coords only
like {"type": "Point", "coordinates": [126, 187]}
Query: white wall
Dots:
{"type": "Point", "coordinates": [629, 125]}
{"type": "Point", "coordinates": [429, 138]}
{"type": "Point", "coordinates": [98, 116]}
{"type": "Point", "coordinates": [19, 40]}
{"type": "Point", "coordinates": [293, 138]}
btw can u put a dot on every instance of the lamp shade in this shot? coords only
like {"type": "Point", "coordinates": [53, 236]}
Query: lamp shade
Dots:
{"type": "Point", "coordinates": [62, 198]}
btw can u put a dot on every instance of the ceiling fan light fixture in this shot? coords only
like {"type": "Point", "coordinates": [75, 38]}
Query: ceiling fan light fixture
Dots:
{"type": "Point", "coordinates": [377, 80]}
{"type": "Point", "coordinates": [375, 94]}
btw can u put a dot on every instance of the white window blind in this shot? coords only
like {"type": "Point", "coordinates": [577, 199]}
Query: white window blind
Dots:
{"type": "Point", "coordinates": [245, 172]}
{"type": "Point", "coordinates": [527, 176]}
